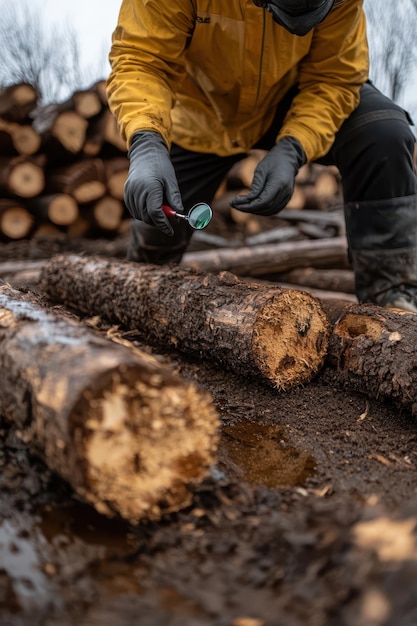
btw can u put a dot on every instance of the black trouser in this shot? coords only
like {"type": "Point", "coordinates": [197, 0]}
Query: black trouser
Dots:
{"type": "Point", "coordinates": [373, 151]}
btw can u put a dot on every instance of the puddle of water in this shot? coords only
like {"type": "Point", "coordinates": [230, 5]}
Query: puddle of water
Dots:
{"type": "Point", "coordinates": [263, 456]}
{"type": "Point", "coordinates": [81, 524]}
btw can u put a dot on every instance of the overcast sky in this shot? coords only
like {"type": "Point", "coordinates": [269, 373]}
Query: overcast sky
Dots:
{"type": "Point", "coordinates": [93, 20]}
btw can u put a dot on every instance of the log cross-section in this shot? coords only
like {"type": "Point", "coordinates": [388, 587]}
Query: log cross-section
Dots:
{"type": "Point", "coordinates": [275, 334]}
{"type": "Point", "coordinates": [129, 435]}
{"type": "Point", "coordinates": [373, 350]}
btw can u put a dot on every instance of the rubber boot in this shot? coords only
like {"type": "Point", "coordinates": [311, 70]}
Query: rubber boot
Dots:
{"type": "Point", "coordinates": [382, 239]}
{"type": "Point", "coordinates": [147, 244]}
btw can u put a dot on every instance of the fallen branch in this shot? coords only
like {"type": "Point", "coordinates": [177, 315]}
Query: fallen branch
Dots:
{"type": "Point", "coordinates": [130, 436]}
{"type": "Point", "coordinates": [268, 333]}
{"type": "Point", "coordinates": [270, 258]}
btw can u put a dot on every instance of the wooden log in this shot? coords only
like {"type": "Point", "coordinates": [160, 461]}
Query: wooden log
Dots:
{"type": "Point", "coordinates": [116, 170]}
{"type": "Point", "coordinates": [85, 180]}
{"type": "Point", "coordinates": [21, 176]}
{"type": "Point", "coordinates": [63, 133]}
{"type": "Point", "coordinates": [374, 351]}
{"type": "Point", "coordinates": [87, 102]}
{"type": "Point", "coordinates": [326, 186]}
{"type": "Point", "coordinates": [107, 213]}
{"type": "Point", "coordinates": [274, 235]}
{"type": "Point", "coordinates": [324, 218]}
{"type": "Point", "coordinates": [103, 132]}
{"type": "Point", "coordinates": [267, 333]}
{"type": "Point", "coordinates": [129, 435]}
{"type": "Point", "coordinates": [18, 139]}
{"type": "Point", "coordinates": [15, 221]}
{"type": "Point", "coordinates": [327, 279]}
{"type": "Point", "coordinates": [17, 101]}
{"type": "Point", "coordinates": [271, 258]}
{"type": "Point", "coordinates": [59, 208]}
{"type": "Point", "coordinates": [241, 173]}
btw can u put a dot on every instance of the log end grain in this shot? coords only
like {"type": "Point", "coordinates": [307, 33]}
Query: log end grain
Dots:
{"type": "Point", "coordinates": [26, 179]}
{"type": "Point", "coordinates": [146, 443]}
{"type": "Point", "coordinates": [63, 209]}
{"type": "Point", "coordinates": [131, 436]}
{"type": "Point", "coordinates": [290, 338]}
{"type": "Point", "coordinates": [70, 129]}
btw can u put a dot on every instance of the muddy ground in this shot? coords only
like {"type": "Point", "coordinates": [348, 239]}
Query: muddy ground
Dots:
{"type": "Point", "coordinates": [308, 518]}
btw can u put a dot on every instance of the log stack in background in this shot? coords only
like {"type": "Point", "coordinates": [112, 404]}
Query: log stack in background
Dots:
{"type": "Point", "coordinates": [62, 166]}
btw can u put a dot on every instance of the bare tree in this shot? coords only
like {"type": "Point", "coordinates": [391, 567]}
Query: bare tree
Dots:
{"type": "Point", "coordinates": [392, 28]}
{"type": "Point", "coordinates": [43, 55]}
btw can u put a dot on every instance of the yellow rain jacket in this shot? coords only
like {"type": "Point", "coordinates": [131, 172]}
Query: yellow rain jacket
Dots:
{"type": "Point", "coordinates": [208, 74]}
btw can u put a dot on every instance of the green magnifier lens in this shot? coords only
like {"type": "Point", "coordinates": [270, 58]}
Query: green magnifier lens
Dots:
{"type": "Point", "coordinates": [200, 216]}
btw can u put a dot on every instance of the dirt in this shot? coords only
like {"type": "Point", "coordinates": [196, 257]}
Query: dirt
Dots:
{"type": "Point", "coordinates": [308, 518]}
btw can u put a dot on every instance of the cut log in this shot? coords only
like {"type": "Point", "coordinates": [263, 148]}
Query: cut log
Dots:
{"type": "Point", "coordinates": [18, 139]}
{"type": "Point", "coordinates": [21, 176]}
{"type": "Point", "coordinates": [17, 101]}
{"type": "Point", "coordinates": [271, 258]}
{"type": "Point", "coordinates": [268, 333]}
{"type": "Point", "coordinates": [326, 186]}
{"type": "Point", "coordinates": [87, 102]}
{"type": "Point", "coordinates": [63, 134]}
{"type": "Point", "coordinates": [241, 173]}
{"type": "Point", "coordinates": [85, 180]}
{"type": "Point", "coordinates": [60, 208]}
{"type": "Point", "coordinates": [374, 351]}
{"type": "Point", "coordinates": [15, 221]}
{"type": "Point", "coordinates": [129, 435]}
{"type": "Point", "coordinates": [116, 173]}
{"type": "Point", "coordinates": [79, 228]}
{"type": "Point", "coordinates": [107, 213]}
{"type": "Point", "coordinates": [104, 132]}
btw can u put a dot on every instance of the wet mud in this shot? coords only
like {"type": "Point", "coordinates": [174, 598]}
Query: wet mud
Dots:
{"type": "Point", "coordinates": [307, 518]}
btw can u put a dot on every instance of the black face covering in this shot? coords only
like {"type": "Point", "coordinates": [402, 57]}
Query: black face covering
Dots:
{"type": "Point", "coordinates": [297, 16]}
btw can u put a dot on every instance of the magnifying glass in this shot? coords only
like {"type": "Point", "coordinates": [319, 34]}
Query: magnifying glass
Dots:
{"type": "Point", "coordinates": [198, 217]}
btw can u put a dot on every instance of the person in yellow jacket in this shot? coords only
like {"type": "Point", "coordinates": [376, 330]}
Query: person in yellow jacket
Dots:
{"type": "Point", "coordinates": [195, 84]}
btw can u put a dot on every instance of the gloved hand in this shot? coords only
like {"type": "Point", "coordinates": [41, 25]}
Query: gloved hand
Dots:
{"type": "Point", "coordinates": [273, 181]}
{"type": "Point", "coordinates": [151, 181]}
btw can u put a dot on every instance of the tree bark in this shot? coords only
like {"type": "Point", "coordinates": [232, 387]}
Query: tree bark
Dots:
{"type": "Point", "coordinates": [374, 351]}
{"type": "Point", "coordinates": [268, 333]}
{"type": "Point", "coordinates": [271, 258]}
{"type": "Point", "coordinates": [130, 436]}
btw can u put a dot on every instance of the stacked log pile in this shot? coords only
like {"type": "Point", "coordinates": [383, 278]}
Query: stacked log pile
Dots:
{"type": "Point", "coordinates": [62, 166]}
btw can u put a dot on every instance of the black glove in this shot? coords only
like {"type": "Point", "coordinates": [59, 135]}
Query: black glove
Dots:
{"type": "Point", "coordinates": [273, 181]}
{"type": "Point", "coordinates": [151, 181]}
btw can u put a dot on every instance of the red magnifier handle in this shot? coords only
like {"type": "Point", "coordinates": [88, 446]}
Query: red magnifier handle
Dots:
{"type": "Point", "coordinates": [169, 211]}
